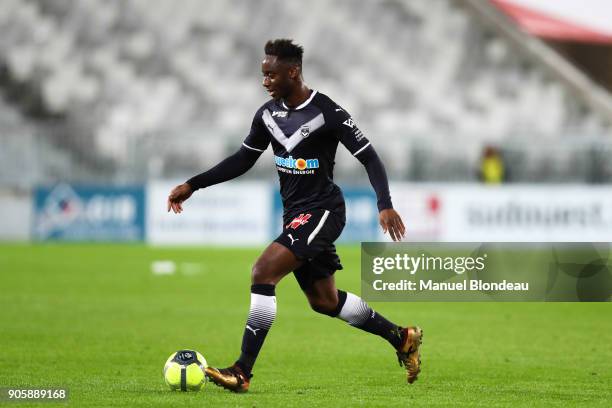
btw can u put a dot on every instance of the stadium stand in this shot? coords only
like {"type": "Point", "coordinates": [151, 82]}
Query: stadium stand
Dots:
{"type": "Point", "coordinates": [148, 88]}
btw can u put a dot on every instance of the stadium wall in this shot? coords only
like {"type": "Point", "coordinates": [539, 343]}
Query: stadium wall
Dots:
{"type": "Point", "coordinates": [16, 220]}
{"type": "Point", "coordinates": [250, 214]}
{"type": "Point", "coordinates": [235, 214]}
{"type": "Point", "coordinates": [88, 213]}
{"type": "Point", "coordinates": [511, 213]}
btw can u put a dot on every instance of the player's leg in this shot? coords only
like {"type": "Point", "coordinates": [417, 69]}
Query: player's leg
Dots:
{"type": "Point", "coordinates": [316, 279]}
{"type": "Point", "coordinates": [273, 264]}
{"type": "Point", "coordinates": [325, 298]}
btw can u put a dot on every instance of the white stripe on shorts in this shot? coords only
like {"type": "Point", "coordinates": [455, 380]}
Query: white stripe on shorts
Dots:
{"type": "Point", "coordinates": [319, 226]}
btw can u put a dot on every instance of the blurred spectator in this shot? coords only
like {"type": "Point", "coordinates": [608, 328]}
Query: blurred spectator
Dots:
{"type": "Point", "coordinates": [492, 169]}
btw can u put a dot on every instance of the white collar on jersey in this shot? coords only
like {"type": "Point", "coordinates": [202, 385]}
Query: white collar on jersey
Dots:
{"type": "Point", "coordinates": [289, 142]}
{"type": "Point", "coordinates": [303, 104]}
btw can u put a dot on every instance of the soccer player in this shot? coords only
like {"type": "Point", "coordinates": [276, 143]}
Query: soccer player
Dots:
{"type": "Point", "coordinates": [304, 127]}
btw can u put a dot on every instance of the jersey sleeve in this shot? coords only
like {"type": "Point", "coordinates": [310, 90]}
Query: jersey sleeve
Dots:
{"type": "Point", "coordinates": [355, 141]}
{"type": "Point", "coordinates": [347, 132]}
{"type": "Point", "coordinates": [258, 138]}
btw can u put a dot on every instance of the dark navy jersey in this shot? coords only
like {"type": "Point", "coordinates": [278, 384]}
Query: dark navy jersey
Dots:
{"type": "Point", "coordinates": [304, 141]}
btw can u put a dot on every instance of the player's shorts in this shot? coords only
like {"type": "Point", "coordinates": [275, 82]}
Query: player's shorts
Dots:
{"type": "Point", "coordinates": [310, 236]}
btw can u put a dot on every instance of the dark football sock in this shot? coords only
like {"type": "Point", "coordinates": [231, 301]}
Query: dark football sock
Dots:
{"type": "Point", "coordinates": [353, 310]}
{"type": "Point", "coordinates": [261, 317]}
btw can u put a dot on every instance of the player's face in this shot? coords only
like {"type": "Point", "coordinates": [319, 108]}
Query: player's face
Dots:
{"type": "Point", "coordinates": [277, 77]}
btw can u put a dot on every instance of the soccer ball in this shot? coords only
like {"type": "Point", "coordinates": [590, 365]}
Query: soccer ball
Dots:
{"type": "Point", "coordinates": [184, 371]}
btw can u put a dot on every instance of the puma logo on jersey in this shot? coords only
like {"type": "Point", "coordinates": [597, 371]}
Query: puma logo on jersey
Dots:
{"type": "Point", "coordinates": [279, 114]}
{"type": "Point", "coordinates": [252, 329]}
{"type": "Point", "coordinates": [349, 122]}
{"type": "Point", "coordinates": [292, 240]}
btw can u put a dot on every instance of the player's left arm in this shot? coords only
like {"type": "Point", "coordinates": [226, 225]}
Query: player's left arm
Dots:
{"type": "Point", "coordinates": [360, 147]}
{"type": "Point", "coordinates": [389, 219]}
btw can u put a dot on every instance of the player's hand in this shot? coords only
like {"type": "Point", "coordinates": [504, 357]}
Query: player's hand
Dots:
{"type": "Point", "coordinates": [179, 194]}
{"type": "Point", "coordinates": [391, 221]}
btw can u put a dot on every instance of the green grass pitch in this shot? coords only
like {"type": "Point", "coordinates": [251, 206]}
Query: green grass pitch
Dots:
{"type": "Point", "coordinates": [95, 319]}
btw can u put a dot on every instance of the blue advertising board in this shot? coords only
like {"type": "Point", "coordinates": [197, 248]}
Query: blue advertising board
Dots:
{"type": "Point", "coordinates": [361, 215]}
{"type": "Point", "coordinates": [89, 213]}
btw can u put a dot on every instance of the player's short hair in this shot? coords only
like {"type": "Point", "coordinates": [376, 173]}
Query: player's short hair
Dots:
{"type": "Point", "coordinates": [285, 50]}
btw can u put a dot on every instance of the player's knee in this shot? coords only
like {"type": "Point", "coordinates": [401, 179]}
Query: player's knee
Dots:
{"type": "Point", "coordinates": [261, 273]}
{"type": "Point", "coordinates": [323, 306]}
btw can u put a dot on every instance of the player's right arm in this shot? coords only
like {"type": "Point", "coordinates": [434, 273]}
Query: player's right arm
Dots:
{"type": "Point", "coordinates": [233, 166]}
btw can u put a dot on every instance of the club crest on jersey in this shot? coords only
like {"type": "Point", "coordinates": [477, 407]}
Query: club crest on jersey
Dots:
{"type": "Point", "coordinates": [279, 114]}
{"type": "Point", "coordinates": [349, 122]}
{"type": "Point", "coordinates": [305, 132]}
{"type": "Point", "coordinates": [298, 221]}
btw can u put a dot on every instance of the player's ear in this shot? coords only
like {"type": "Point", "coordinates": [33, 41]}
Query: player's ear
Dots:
{"type": "Point", "coordinates": [294, 72]}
